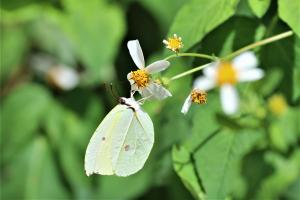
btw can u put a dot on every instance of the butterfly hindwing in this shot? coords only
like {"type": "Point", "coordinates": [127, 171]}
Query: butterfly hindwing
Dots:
{"type": "Point", "coordinates": [137, 143]}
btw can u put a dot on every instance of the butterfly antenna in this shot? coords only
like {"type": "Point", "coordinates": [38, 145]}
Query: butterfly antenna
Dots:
{"type": "Point", "coordinates": [110, 88]}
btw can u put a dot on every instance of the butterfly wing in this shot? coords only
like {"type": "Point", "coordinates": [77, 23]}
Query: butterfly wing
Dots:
{"type": "Point", "coordinates": [131, 147]}
{"type": "Point", "coordinates": [98, 157]}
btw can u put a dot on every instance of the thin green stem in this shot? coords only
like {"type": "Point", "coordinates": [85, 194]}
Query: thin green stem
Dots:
{"type": "Point", "coordinates": [259, 43]}
{"type": "Point", "coordinates": [199, 55]}
{"type": "Point", "coordinates": [188, 72]}
{"type": "Point", "coordinates": [239, 51]}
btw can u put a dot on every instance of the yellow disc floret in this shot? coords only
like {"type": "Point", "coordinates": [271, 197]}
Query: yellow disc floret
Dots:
{"type": "Point", "coordinates": [174, 43]}
{"type": "Point", "coordinates": [199, 96]}
{"type": "Point", "coordinates": [226, 74]}
{"type": "Point", "coordinates": [140, 77]}
{"type": "Point", "coordinates": [277, 104]}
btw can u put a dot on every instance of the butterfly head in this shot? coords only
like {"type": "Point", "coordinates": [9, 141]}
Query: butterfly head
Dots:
{"type": "Point", "coordinates": [130, 102]}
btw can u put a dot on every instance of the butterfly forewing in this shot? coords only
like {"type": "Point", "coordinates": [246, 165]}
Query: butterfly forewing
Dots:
{"type": "Point", "coordinates": [98, 154]}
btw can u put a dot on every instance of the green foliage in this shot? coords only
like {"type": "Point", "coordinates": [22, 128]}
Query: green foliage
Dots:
{"type": "Point", "coordinates": [204, 154]}
{"type": "Point", "coordinates": [203, 16]}
{"type": "Point", "coordinates": [289, 12]}
{"type": "Point", "coordinates": [259, 7]}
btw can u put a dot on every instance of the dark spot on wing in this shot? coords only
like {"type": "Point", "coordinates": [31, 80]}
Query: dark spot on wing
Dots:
{"type": "Point", "coordinates": [126, 147]}
{"type": "Point", "coordinates": [103, 138]}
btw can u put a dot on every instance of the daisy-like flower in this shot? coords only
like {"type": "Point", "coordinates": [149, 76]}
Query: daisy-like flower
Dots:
{"type": "Point", "coordinates": [243, 68]}
{"type": "Point", "coordinates": [140, 79]}
{"type": "Point", "coordinates": [174, 43]}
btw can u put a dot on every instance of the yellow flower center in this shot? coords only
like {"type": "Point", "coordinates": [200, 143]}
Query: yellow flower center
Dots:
{"type": "Point", "coordinates": [174, 43]}
{"type": "Point", "coordinates": [198, 96]}
{"type": "Point", "coordinates": [277, 104]}
{"type": "Point", "coordinates": [140, 77]}
{"type": "Point", "coordinates": [226, 74]}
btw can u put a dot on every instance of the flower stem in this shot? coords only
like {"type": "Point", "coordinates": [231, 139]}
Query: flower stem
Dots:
{"type": "Point", "coordinates": [189, 72]}
{"type": "Point", "coordinates": [199, 55]}
{"type": "Point", "coordinates": [259, 43]}
{"type": "Point", "coordinates": [239, 51]}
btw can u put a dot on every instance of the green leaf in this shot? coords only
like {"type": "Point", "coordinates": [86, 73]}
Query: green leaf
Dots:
{"type": "Point", "coordinates": [293, 192]}
{"type": "Point", "coordinates": [199, 17]}
{"type": "Point", "coordinates": [95, 29]}
{"type": "Point", "coordinates": [283, 130]}
{"type": "Point", "coordinates": [13, 48]}
{"type": "Point", "coordinates": [49, 38]}
{"type": "Point", "coordinates": [218, 161]}
{"type": "Point", "coordinates": [296, 70]}
{"type": "Point", "coordinates": [113, 187]}
{"type": "Point", "coordinates": [158, 8]}
{"type": "Point", "coordinates": [286, 173]}
{"type": "Point", "coordinates": [24, 110]}
{"type": "Point", "coordinates": [33, 174]}
{"type": "Point", "coordinates": [275, 57]}
{"type": "Point", "coordinates": [259, 7]}
{"type": "Point", "coordinates": [185, 168]}
{"type": "Point", "coordinates": [289, 12]}
{"type": "Point", "coordinates": [70, 132]}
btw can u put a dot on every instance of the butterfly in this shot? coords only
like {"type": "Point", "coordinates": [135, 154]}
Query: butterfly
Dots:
{"type": "Point", "coordinates": [122, 142]}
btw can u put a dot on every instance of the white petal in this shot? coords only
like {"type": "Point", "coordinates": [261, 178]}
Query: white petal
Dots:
{"type": "Point", "coordinates": [245, 61]}
{"type": "Point", "coordinates": [129, 75]}
{"type": "Point", "coordinates": [187, 104]}
{"type": "Point", "coordinates": [146, 93]}
{"type": "Point", "coordinates": [229, 99]}
{"type": "Point", "coordinates": [211, 70]}
{"type": "Point", "coordinates": [158, 66]}
{"type": "Point", "coordinates": [136, 53]}
{"type": "Point", "coordinates": [156, 91]}
{"type": "Point", "coordinates": [204, 83]}
{"type": "Point", "coordinates": [134, 88]}
{"type": "Point", "coordinates": [250, 75]}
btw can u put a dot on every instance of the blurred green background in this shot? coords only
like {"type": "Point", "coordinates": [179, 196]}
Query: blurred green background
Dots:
{"type": "Point", "coordinates": [45, 127]}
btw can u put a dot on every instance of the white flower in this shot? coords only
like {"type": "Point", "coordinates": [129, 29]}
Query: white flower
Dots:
{"type": "Point", "coordinates": [226, 74]}
{"type": "Point", "coordinates": [63, 77]}
{"type": "Point", "coordinates": [140, 79]}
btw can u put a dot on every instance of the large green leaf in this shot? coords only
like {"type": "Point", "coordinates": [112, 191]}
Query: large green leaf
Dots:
{"type": "Point", "coordinates": [22, 113]}
{"type": "Point", "coordinates": [259, 7]}
{"type": "Point", "coordinates": [185, 167]}
{"type": "Point", "coordinates": [33, 174]}
{"type": "Point", "coordinates": [218, 161]}
{"type": "Point", "coordinates": [289, 12]}
{"type": "Point", "coordinates": [70, 132]}
{"type": "Point", "coordinates": [199, 17]}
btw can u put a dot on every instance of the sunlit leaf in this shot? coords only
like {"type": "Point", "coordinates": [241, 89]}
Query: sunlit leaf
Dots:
{"type": "Point", "coordinates": [199, 17]}
{"type": "Point", "coordinates": [259, 7]}
{"type": "Point", "coordinates": [289, 12]}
